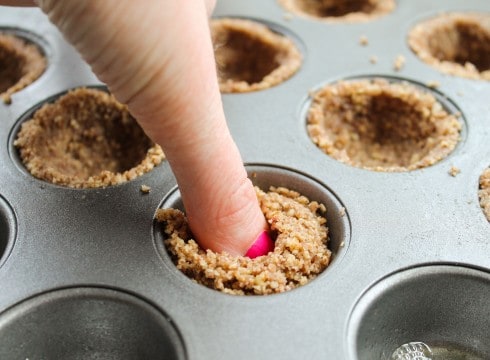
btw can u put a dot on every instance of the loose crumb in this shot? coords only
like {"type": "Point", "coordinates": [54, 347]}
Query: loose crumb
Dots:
{"type": "Point", "coordinates": [300, 252]}
{"type": "Point", "coordinates": [399, 63]}
{"type": "Point", "coordinates": [342, 211]}
{"type": "Point", "coordinates": [373, 59]}
{"type": "Point", "coordinates": [363, 40]}
{"type": "Point", "coordinates": [433, 84]}
{"type": "Point", "coordinates": [145, 189]}
{"type": "Point", "coordinates": [287, 16]}
{"type": "Point", "coordinates": [6, 98]}
{"type": "Point", "coordinates": [453, 171]}
{"type": "Point", "coordinates": [342, 244]}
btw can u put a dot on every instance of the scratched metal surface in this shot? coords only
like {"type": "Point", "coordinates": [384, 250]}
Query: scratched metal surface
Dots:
{"type": "Point", "coordinates": [98, 248]}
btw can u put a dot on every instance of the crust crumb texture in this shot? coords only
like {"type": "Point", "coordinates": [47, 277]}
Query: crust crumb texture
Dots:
{"type": "Point", "coordinates": [382, 126]}
{"type": "Point", "coordinates": [455, 43]}
{"type": "Point", "coordinates": [250, 56]}
{"type": "Point", "coordinates": [484, 192]}
{"type": "Point", "coordinates": [21, 63]}
{"type": "Point", "coordinates": [300, 252]}
{"type": "Point", "coordinates": [339, 10]}
{"type": "Point", "coordinates": [85, 139]}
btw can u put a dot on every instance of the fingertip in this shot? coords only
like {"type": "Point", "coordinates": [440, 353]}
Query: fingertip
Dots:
{"type": "Point", "coordinates": [261, 246]}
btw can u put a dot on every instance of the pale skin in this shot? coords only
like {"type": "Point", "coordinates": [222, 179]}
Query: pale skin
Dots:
{"type": "Point", "coordinates": [158, 59]}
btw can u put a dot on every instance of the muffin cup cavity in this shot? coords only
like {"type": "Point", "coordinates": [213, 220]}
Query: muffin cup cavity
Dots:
{"type": "Point", "coordinates": [339, 10]}
{"type": "Point", "coordinates": [309, 225]}
{"type": "Point", "coordinates": [87, 323]}
{"type": "Point", "coordinates": [21, 63]}
{"type": "Point", "coordinates": [85, 139]}
{"type": "Point", "coordinates": [456, 44]}
{"type": "Point", "coordinates": [378, 159]}
{"type": "Point", "coordinates": [484, 193]}
{"type": "Point", "coordinates": [250, 56]}
{"type": "Point", "coordinates": [382, 125]}
{"type": "Point", "coordinates": [7, 230]}
{"type": "Point", "coordinates": [444, 307]}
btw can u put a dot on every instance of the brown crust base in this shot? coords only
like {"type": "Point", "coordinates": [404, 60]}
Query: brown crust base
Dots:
{"type": "Point", "coordinates": [300, 252]}
{"type": "Point", "coordinates": [250, 56]}
{"type": "Point", "coordinates": [86, 139]}
{"type": "Point", "coordinates": [381, 126]}
{"type": "Point", "coordinates": [339, 10]}
{"type": "Point", "coordinates": [455, 44]}
{"type": "Point", "coordinates": [21, 63]}
{"type": "Point", "coordinates": [484, 193]}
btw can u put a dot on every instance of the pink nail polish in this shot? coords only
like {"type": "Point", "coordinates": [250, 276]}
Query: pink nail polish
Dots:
{"type": "Point", "coordinates": [262, 246]}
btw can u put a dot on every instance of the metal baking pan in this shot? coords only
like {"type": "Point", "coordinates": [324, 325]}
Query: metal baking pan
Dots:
{"type": "Point", "coordinates": [83, 273]}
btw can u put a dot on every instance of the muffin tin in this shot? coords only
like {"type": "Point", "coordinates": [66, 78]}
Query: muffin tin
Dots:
{"type": "Point", "coordinates": [83, 273]}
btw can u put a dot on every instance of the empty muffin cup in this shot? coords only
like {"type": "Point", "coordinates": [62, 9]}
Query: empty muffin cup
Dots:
{"type": "Point", "coordinates": [484, 192]}
{"type": "Point", "coordinates": [250, 56]}
{"type": "Point", "coordinates": [309, 225]}
{"type": "Point", "coordinates": [442, 308]}
{"type": "Point", "coordinates": [339, 10]}
{"type": "Point", "coordinates": [85, 139]}
{"type": "Point", "coordinates": [88, 323]}
{"type": "Point", "coordinates": [21, 63]}
{"type": "Point", "coordinates": [381, 125]}
{"type": "Point", "coordinates": [456, 44]}
{"type": "Point", "coordinates": [7, 230]}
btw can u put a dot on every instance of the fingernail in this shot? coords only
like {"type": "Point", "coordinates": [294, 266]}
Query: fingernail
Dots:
{"type": "Point", "coordinates": [262, 246]}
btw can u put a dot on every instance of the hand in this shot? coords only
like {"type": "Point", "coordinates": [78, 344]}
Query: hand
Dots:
{"type": "Point", "coordinates": [158, 59]}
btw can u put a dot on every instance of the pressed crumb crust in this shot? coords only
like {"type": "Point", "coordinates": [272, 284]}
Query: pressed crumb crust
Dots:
{"type": "Point", "coordinates": [456, 44]}
{"type": "Point", "coordinates": [299, 255]}
{"type": "Point", "coordinates": [381, 126]}
{"type": "Point", "coordinates": [21, 63]}
{"type": "Point", "coordinates": [339, 10]}
{"type": "Point", "coordinates": [86, 139]}
{"type": "Point", "coordinates": [484, 192]}
{"type": "Point", "coordinates": [250, 56]}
